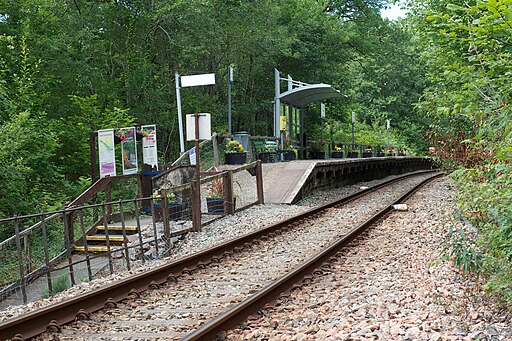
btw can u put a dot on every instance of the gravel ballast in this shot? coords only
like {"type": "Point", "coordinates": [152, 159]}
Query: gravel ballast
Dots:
{"type": "Point", "coordinates": [389, 288]}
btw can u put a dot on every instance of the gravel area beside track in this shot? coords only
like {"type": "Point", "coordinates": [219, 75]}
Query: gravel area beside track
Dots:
{"type": "Point", "coordinates": [389, 290]}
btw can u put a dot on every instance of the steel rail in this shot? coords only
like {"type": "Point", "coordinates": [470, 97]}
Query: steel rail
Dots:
{"type": "Point", "coordinates": [80, 307]}
{"type": "Point", "coordinates": [282, 286]}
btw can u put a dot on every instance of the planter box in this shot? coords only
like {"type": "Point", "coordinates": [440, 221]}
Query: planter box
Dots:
{"type": "Point", "coordinates": [266, 157]}
{"type": "Point", "coordinates": [235, 158]}
{"type": "Point", "coordinates": [367, 154]}
{"type": "Point", "coordinates": [175, 211]}
{"type": "Point", "coordinates": [352, 154]}
{"type": "Point", "coordinates": [317, 155]}
{"type": "Point", "coordinates": [380, 155]}
{"type": "Point", "coordinates": [337, 155]}
{"type": "Point", "coordinates": [289, 155]}
{"type": "Point", "coordinates": [215, 204]}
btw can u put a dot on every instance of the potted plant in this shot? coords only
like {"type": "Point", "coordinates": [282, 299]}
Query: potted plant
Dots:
{"type": "Point", "coordinates": [215, 196]}
{"type": "Point", "coordinates": [337, 153]}
{"type": "Point", "coordinates": [368, 152]}
{"type": "Point", "coordinates": [174, 209]}
{"type": "Point", "coordinates": [267, 154]}
{"type": "Point", "coordinates": [316, 150]}
{"type": "Point", "coordinates": [353, 153]}
{"type": "Point", "coordinates": [380, 152]}
{"type": "Point", "coordinates": [235, 154]}
{"type": "Point", "coordinates": [289, 152]}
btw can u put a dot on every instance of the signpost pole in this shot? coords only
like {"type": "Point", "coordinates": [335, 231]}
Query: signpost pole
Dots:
{"type": "Point", "coordinates": [230, 80]}
{"type": "Point", "coordinates": [197, 227]}
{"type": "Point", "coordinates": [180, 119]}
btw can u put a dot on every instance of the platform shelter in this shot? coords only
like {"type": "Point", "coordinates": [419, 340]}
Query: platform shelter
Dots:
{"type": "Point", "coordinates": [291, 103]}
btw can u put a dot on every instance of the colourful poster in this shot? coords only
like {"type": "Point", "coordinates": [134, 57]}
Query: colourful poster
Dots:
{"type": "Point", "coordinates": [149, 151]}
{"type": "Point", "coordinates": [129, 150]}
{"type": "Point", "coordinates": [106, 153]}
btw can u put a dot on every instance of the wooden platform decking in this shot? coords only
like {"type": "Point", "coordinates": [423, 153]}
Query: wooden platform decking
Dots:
{"type": "Point", "coordinates": [283, 187]}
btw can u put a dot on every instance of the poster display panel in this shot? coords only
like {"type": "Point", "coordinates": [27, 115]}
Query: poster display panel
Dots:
{"type": "Point", "coordinates": [149, 151]}
{"type": "Point", "coordinates": [129, 150]}
{"type": "Point", "coordinates": [107, 155]}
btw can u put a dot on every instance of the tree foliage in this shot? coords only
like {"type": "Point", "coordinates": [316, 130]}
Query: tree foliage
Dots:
{"type": "Point", "coordinates": [83, 65]}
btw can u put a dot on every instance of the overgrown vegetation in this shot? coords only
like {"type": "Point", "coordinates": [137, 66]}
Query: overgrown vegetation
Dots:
{"type": "Point", "coordinates": [468, 104]}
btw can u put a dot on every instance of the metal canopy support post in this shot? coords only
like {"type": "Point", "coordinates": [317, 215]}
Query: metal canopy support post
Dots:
{"type": "Point", "coordinates": [353, 122]}
{"type": "Point", "coordinates": [277, 114]}
{"type": "Point", "coordinates": [301, 137]}
{"type": "Point", "coordinates": [230, 81]}
{"type": "Point", "coordinates": [180, 119]}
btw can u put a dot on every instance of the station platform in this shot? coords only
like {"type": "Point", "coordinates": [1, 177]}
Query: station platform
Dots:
{"type": "Point", "coordinates": [288, 182]}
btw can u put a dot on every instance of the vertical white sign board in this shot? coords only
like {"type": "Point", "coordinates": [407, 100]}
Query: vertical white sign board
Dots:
{"type": "Point", "coordinates": [129, 151]}
{"type": "Point", "coordinates": [149, 150]}
{"type": "Point", "coordinates": [205, 130]}
{"type": "Point", "coordinates": [106, 153]}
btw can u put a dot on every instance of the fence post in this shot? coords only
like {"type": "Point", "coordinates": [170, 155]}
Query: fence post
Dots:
{"type": "Point", "coordinates": [215, 151]}
{"type": "Point", "coordinates": [108, 198]}
{"type": "Point", "coordinates": [67, 242]}
{"type": "Point", "coordinates": [229, 206]}
{"type": "Point", "coordinates": [20, 259]}
{"type": "Point", "coordinates": [165, 217]}
{"type": "Point", "coordinates": [196, 209]}
{"type": "Point", "coordinates": [259, 182]}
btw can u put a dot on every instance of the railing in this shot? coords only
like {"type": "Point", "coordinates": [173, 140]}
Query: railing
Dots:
{"type": "Point", "coordinates": [45, 251]}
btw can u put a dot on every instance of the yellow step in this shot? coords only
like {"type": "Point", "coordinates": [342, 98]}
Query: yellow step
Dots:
{"type": "Point", "coordinates": [103, 238]}
{"type": "Point", "coordinates": [117, 228]}
{"type": "Point", "coordinates": [94, 248]}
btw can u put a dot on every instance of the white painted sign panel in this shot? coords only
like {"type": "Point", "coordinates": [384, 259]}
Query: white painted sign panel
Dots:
{"type": "Point", "coordinates": [195, 80]}
{"type": "Point", "coordinates": [205, 131]}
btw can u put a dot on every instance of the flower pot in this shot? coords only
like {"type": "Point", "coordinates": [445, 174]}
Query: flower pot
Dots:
{"type": "Point", "coordinates": [352, 154]}
{"type": "Point", "coordinates": [289, 155]}
{"type": "Point", "coordinates": [317, 155]}
{"type": "Point", "coordinates": [266, 157]}
{"type": "Point", "coordinates": [367, 154]}
{"type": "Point", "coordinates": [235, 158]}
{"type": "Point", "coordinates": [174, 211]}
{"type": "Point", "coordinates": [337, 155]}
{"type": "Point", "coordinates": [215, 204]}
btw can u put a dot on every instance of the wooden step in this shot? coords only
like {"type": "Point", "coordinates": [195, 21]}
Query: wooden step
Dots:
{"type": "Point", "coordinates": [95, 248]}
{"type": "Point", "coordinates": [103, 238]}
{"type": "Point", "coordinates": [117, 228]}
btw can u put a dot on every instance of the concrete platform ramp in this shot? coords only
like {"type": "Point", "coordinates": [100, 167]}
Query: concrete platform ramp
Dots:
{"type": "Point", "coordinates": [282, 188]}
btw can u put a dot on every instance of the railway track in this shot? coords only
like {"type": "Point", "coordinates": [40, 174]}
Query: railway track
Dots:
{"type": "Point", "coordinates": [200, 295]}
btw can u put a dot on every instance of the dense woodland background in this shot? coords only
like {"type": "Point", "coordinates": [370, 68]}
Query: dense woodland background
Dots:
{"type": "Point", "coordinates": [442, 75]}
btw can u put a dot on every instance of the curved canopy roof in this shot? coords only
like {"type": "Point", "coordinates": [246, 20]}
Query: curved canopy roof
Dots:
{"type": "Point", "coordinates": [302, 96]}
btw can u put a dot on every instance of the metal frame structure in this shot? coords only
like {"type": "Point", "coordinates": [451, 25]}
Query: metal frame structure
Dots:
{"type": "Point", "coordinates": [298, 96]}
